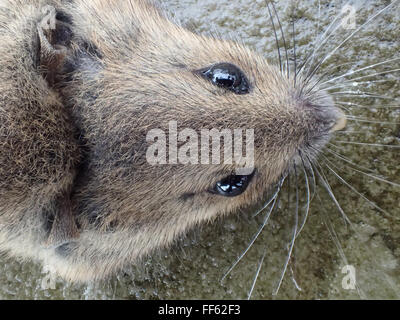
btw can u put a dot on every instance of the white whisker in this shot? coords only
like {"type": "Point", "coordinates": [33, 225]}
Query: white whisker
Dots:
{"type": "Point", "coordinates": [332, 52]}
{"type": "Point", "coordinates": [359, 70]}
{"type": "Point", "coordinates": [376, 177]}
{"type": "Point", "coordinates": [354, 118]}
{"type": "Point", "coordinates": [370, 175]}
{"type": "Point", "coordinates": [326, 185]}
{"type": "Point", "coordinates": [337, 243]}
{"type": "Point", "coordinates": [360, 94]}
{"type": "Point", "coordinates": [322, 40]}
{"type": "Point", "coordinates": [293, 238]}
{"type": "Point", "coordinates": [344, 83]}
{"type": "Point", "coordinates": [266, 219]}
{"type": "Point", "coordinates": [356, 232]}
{"type": "Point", "coordinates": [350, 104]}
{"type": "Point", "coordinates": [369, 144]}
{"type": "Point", "coordinates": [307, 209]}
{"type": "Point", "coordinates": [266, 205]}
{"type": "Point", "coordinates": [355, 190]}
{"type": "Point", "coordinates": [349, 132]}
{"type": "Point", "coordinates": [343, 158]}
{"type": "Point", "coordinates": [257, 274]}
{"type": "Point", "coordinates": [355, 84]}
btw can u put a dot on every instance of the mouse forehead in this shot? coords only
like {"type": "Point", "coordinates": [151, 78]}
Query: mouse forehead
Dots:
{"type": "Point", "coordinates": [157, 46]}
{"type": "Point", "coordinates": [181, 48]}
{"type": "Point", "coordinates": [176, 63]}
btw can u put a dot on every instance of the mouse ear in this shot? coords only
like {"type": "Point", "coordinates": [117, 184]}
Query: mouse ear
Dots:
{"type": "Point", "coordinates": [64, 228]}
{"type": "Point", "coordinates": [54, 36]}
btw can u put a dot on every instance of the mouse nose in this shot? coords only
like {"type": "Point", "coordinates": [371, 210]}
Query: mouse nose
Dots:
{"type": "Point", "coordinates": [340, 122]}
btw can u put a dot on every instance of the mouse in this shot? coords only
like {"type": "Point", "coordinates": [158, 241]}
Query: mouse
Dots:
{"type": "Point", "coordinates": [103, 108]}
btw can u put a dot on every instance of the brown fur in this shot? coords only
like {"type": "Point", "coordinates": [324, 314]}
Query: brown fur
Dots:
{"type": "Point", "coordinates": [110, 71]}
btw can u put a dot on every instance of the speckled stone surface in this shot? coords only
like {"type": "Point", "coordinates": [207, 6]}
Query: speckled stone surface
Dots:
{"type": "Point", "coordinates": [194, 267]}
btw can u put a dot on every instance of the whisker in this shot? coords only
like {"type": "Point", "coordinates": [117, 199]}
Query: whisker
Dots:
{"type": "Point", "coordinates": [323, 39]}
{"type": "Point", "coordinates": [355, 190]}
{"type": "Point", "coordinates": [276, 36]}
{"type": "Point", "coordinates": [354, 118]}
{"type": "Point", "coordinates": [293, 238]}
{"type": "Point", "coordinates": [294, 52]}
{"type": "Point", "coordinates": [318, 20]}
{"type": "Point", "coordinates": [266, 205]}
{"type": "Point", "coordinates": [347, 109]}
{"type": "Point", "coordinates": [367, 174]}
{"type": "Point", "coordinates": [343, 158]}
{"type": "Point", "coordinates": [350, 104]}
{"type": "Point", "coordinates": [350, 36]}
{"type": "Point", "coordinates": [359, 70]}
{"type": "Point", "coordinates": [312, 53]}
{"type": "Point", "coordinates": [356, 84]}
{"type": "Point", "coordinates": [344, 83]}
{"type": "Point", "coordinates": [369, 144]}
{"type": "Point", "coordinates": [374, 177]}
{"type": "Point", "coordinates": [266, 219]}
{"type": "Point", "coordinates": [349, 132]}
{"type": "Point", "coordinates": [326, 73]}
{"type": "Point", "coordinates": [314, 180]}
{"type": "Point", "coordinates": [360, 94]}
{"type": "Point", "coordinates": [283, 38]}
{"type": "Point", "coordinates": [354, 229]}
{"type": "Point", "coordinates": [329, 70]}
{"type": "Point", "coordinates": [307, 197]}
{"type": "Point", "coordinates": [257, 274]}
{"type": "Point", "coordinates": [329, 224]}
{"type": "Point", "coordinates": [313, 69]}
{"type": "Point", "coordinates": [336, 241]}
{"type": "Point", "coordinates": [333, 233]}
{"type": "Point", "coordinates": [331, 194]}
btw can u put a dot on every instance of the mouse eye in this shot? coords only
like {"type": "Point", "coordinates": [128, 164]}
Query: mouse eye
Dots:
{"type": "Point", "coordinates": [232, 185]}
{"type": "Point", "coordinates": [228, 76]}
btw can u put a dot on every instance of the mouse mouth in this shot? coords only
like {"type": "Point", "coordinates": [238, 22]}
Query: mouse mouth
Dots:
{"type": "Point", "coordinates": [325, 120]}
{"type": "Point", "coordinates": [326, 117]}
{"type": "Point", "coordinates": [341, 122]}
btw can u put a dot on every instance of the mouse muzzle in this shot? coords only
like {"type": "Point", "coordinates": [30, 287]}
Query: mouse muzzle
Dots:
{"type": "Point", "coordinates": [340, 122]}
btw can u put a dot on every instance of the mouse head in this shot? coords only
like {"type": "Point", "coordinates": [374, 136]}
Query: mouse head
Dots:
{"type": "Point", "coordinates": [179, 128]}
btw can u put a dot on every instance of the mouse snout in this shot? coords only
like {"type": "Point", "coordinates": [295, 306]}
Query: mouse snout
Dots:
{"type": "Point", "coordinates": [328, 118]}
{"type": "Point", "coordinates": [341, 121]}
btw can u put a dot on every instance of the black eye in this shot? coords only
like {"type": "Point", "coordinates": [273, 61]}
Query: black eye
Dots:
{"type": "Point", "coordinates": [232, 185]}
{"type": "Point", "coordinates": [228, 76]}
